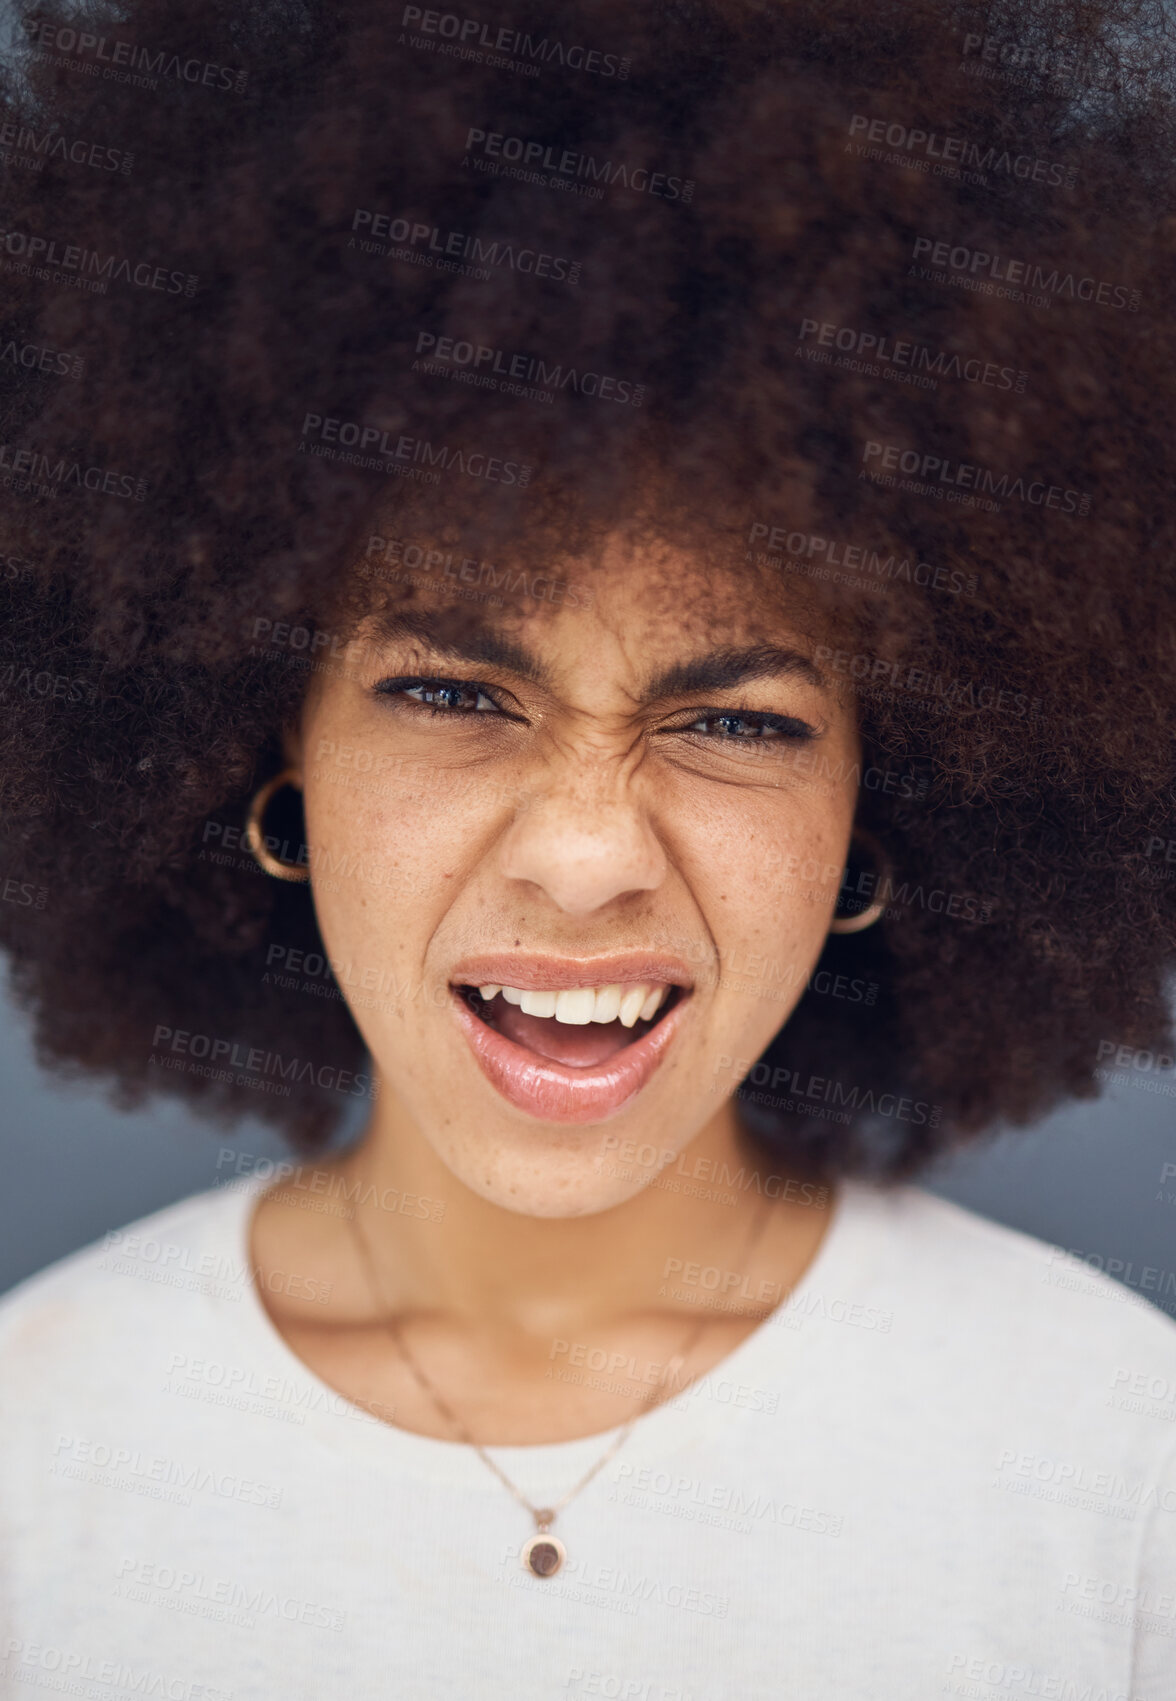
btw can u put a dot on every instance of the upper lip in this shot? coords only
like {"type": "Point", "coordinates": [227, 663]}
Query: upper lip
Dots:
{"type": "Point", "coordinates": [531, 972]}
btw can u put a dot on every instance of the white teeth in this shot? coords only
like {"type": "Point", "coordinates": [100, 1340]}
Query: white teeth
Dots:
{"type": "Point", "coordinates": [608, 1002]}
{"type": "Point", "coordinates": [575, 1006]}
{"type": "Point", "coordinates": [580, 1005]}
{"type": "Point", "coordinates": [631, 1005]}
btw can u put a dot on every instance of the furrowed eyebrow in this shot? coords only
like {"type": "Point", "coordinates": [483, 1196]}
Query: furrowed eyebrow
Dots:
{"type": "Point", "coordinates": [475, 645]}
{"type": "Point", "coordinates": [722, 670]}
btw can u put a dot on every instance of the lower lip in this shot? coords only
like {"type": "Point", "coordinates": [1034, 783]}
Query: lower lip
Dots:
{"type": "Point", "coordinates": [556, 1092]}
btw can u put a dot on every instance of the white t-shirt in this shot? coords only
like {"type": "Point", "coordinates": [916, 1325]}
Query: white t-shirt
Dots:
{"type": "Point", "coordinates": [945, 1467]}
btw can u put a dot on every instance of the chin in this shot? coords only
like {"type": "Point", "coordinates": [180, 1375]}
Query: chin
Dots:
{"type": "Point", "coordinates": [540, 1172]}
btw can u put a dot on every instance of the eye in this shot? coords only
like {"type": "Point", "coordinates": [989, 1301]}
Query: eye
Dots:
{"type": "Point", "coordinates": [731, 726]}
{"type": "Point", "coordinates": [454, 697]}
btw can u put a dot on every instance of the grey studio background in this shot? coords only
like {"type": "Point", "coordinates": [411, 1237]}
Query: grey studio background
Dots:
{"type": "Point", "coordinates": [1097, 1178]}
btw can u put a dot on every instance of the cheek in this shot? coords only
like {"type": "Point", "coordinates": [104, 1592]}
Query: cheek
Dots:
{"type": "Point", "coordinates": [770, 864]}
{"type": "Point", "coordinates": [766, 873]}
{"type": "Point", "coordinates": [388, 848]}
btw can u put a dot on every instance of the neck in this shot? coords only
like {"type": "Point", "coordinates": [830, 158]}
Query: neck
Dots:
{"type": "Point", "coordinates": [475, 1261]}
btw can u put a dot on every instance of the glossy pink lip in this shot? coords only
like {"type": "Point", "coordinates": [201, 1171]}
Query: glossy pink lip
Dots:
{"type": "Point", "coordinates": [534, 973]}
{"type": "Point", "coordinates": [554, 1091]}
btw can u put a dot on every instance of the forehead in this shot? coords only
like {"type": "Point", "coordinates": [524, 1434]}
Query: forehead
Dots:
{"type": "Point", "coordinates": [650, 598]}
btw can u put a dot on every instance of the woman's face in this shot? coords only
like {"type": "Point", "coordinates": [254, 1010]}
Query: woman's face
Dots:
{"type": "Point", "coordinates": [622, 814]}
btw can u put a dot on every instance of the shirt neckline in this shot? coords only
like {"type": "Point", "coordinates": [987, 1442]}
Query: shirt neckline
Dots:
{"type": "Point", "coordinates": [770, 1357]}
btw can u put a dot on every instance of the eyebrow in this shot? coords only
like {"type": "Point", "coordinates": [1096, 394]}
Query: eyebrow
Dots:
{"type": "Point", "coordinates": [720, 670]}
{"type": "Point", "coordinates": [723, 669]}
{"type": "Point", "coordinates": [475, 645]}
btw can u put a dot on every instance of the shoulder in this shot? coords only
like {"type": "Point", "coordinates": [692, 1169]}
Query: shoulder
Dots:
{"type": "Point", "coordinates": [955, 1257]}
{"type": "Point", "coordinates": [88, 1311]}
{"type": "Point", "coordinates": [1000, 1301]}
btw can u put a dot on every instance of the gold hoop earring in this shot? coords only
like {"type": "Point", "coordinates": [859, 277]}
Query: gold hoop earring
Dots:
{"type": "Point", "coordinates": [255, 836]}
{"type": "Point", "coordinates": [867, 917]}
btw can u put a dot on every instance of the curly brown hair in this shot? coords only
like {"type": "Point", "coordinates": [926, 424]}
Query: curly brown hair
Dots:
{"type": "Point", "coordinates": [875, 297]}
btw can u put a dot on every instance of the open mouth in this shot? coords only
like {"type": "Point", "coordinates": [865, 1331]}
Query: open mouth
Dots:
{"type": "Point", "coordinates": [569, 1053]}
{"type": "Point", "coordinates": [580, 1027]}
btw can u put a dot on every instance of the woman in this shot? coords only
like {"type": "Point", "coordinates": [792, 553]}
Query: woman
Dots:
{"type": "Point", "coordinates": [610, 582]}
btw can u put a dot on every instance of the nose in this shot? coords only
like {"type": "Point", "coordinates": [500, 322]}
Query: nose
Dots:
{"type": "Point", "coordinates": [583, 843]}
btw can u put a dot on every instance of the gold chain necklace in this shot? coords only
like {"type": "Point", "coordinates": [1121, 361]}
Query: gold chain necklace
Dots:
{"type": "Point", "coordinates": [544, 1554]}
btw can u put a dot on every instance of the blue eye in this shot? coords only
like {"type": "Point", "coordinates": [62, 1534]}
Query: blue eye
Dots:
{"type": "Point", "coordinates": [441, 696]}
{"type": "Point", "coordinates": [733, 727]}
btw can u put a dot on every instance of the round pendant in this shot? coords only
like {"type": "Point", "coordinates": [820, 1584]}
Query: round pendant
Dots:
{"type": "Point", "coordinates": [543, 1555]}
